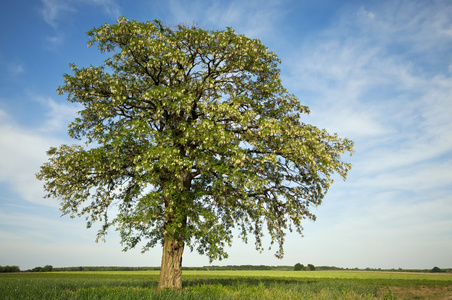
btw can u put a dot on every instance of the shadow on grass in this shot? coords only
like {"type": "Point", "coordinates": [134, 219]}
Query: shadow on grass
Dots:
{"type": "Point", "coordinates": [251, 281]}
{"type": "Point", "coordinates": [297, 286]}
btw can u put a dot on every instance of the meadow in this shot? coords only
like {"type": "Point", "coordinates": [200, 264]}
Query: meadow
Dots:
{"type": "Point", "coordinates": [227, 285]}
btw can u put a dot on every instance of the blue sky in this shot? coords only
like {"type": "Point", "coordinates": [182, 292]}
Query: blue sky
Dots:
{"type": "Point", "coordinates": [377, 72]}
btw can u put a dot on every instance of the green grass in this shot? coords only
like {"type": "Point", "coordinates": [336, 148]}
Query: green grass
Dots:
{"type": "Point", "coordinates": [222, 285]}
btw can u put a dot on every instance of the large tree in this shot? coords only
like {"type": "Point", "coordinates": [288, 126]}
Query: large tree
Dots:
{"type": "Point", "coordinates": [191, 136]}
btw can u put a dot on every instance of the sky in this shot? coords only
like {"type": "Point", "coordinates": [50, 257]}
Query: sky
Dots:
{"type": "Point", "coordinates": [376, 72]}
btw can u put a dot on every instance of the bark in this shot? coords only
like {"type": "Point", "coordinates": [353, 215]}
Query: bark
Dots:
{"type": "Point", "coordinates": [173, 246]}
{"type": "Point", "coordinates": [171, 268]}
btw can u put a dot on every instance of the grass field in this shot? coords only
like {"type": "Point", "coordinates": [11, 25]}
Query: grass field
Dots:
{"type": "Point", "coordinates": [227, 285]}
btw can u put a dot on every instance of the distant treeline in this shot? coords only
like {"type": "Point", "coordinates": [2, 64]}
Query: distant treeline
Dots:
{"type": "Point", "coordinates": [434, 270]}
{"type": "Point", "coordinates": [74, 269]}
{"type": "Point", "coordinates": [9, 269]}
{"type": "Point", "coordinates": [250, 267]}
{"type": "Point", "coordinates": [240, 268]}
{"type": "Point", "coordinates": [205, 268]}
{"type": "Point", "coordinates": [49, 268]}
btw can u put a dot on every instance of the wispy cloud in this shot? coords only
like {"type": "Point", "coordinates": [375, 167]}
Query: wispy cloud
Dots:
{"type": "Point", "coordinates": [58, 116]}
{"type": "Point", "coordinates": [419, 26]}
{"type": "Point", "coordinates": [355, 72]}
{"type": "Point", "coordinates": [110, 7]}
{"type": "Point", "coordinates": [376, 77]}
{"type": "Point", "coordinates": [23, 150]}
{"type": "Point", "coordinates": [383, 230]}
{"type": "Point", "coordinates": [36, 239]}
{"type": "Point", "coordinates": [15, 69]}
{"type": "Point", "coordinates": [11, 67]}
{"type": "Point", "coordinates": [252, 18]}
{"type": "Point", "coordinates": [54, 41]}
{"type": "Point", "coordinates": [377, 72]}
{"type": "Point", "coordinates": [21, 153]}
{"type": "Point", "coordinates": [53, 11]}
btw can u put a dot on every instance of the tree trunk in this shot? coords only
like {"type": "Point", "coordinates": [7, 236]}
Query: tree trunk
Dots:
{"type": "Point", "coordinates": [171, 269]}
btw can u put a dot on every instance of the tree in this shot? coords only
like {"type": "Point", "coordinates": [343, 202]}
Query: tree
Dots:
{"type": "Point", "coordinates": [190, 134]}
{"type": "Point", "coordinates": [436, 270]}
{"type": "Point", "coordinates": [298, 267]}
{"type": "Point", "coordinates": [310, 267]}
{"type": "Point", "coordinates": [47, 268]}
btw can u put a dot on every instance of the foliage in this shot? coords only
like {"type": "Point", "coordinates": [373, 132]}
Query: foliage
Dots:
{"type": "Point", "coordinates": [310, 267]}
{"type": "Point", "coordinates": [298, 267]}
{"type": "Point", "coordinates": [190, 134]}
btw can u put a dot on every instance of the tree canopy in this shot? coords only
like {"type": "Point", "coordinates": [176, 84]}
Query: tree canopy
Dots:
{"type": "Point", "coordinates": [190, 136]}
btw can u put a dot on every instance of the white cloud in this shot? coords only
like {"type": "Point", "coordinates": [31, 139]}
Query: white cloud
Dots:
{"type": "Point", "coordinates": [58, 116]}
{"type": "Point", "coordinates": [21, 154]}
{"type": "Point", "coordinates": [23, 150]}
